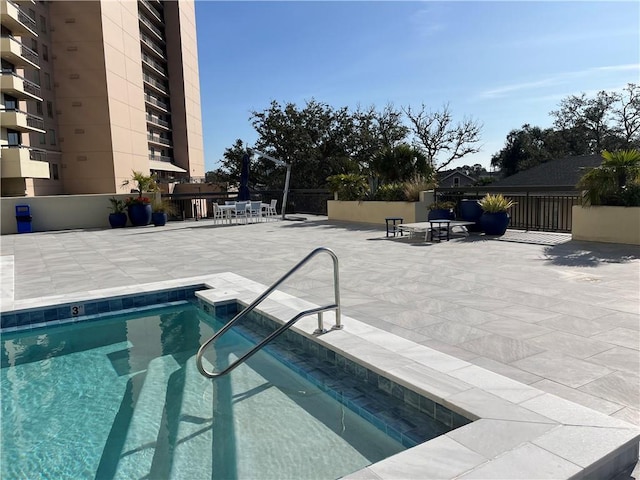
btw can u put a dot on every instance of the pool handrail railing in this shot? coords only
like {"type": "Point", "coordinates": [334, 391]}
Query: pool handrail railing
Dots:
{"type": "Point", "coordinates": [317, 310]}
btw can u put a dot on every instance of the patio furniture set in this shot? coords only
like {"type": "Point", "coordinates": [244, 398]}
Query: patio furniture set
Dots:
{"type": "Point", "coordinates": [434, 230]}
{"type": "Point", "coordinates": [246, 211]}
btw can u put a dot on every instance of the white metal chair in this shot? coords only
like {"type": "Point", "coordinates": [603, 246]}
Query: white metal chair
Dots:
{"type": "Point", "coordinates": [255, 211]}
{"type": "Point", "coordinates": [241, 211]}
{"type": "Point", "coordinates": [271, 209]}
{"type": "Point", "coordinates": [217, 213]}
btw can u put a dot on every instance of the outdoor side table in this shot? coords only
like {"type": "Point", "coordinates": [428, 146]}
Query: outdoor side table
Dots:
{"type": "Point", "coordinates": [392, 225]}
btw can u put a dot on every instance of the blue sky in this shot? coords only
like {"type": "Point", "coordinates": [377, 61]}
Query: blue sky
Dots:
{"type": "Point", "coordinates": [502, 63]}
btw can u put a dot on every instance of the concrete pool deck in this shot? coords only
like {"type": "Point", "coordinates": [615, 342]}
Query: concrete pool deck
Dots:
{"type": "Point", "coordinates": [559, 316]}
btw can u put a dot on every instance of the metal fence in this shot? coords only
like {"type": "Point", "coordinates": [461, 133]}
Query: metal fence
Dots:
{"type": "Point", "coordinates": [537, 208]}
{"type": "Point", "coordinates": [199, 205]}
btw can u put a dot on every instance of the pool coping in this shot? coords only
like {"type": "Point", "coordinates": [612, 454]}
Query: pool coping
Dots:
{"type": "Point", "coordinates": [518, 431]}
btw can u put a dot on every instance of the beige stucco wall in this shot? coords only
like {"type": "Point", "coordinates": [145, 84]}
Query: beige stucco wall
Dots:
{"type": "Point", "coordinates": [606, 224]}
{"type": "Point", "coordinates": [60, 212]}
{"type": "Point", "coordinates": [376, 212]}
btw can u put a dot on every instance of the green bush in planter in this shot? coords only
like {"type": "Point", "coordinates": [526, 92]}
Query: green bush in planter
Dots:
{"type": "Point", "coordinates": [348, 186]}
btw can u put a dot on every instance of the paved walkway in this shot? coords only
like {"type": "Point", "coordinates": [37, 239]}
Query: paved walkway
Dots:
{"type": "Point", "coordinates": [559, 315]}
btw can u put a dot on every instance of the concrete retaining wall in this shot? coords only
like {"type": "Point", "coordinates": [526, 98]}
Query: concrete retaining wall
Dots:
{"type": "Point", "coordinates": [606, 224]}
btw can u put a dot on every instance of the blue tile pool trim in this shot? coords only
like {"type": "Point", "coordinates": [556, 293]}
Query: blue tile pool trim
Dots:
{"type": "Point", "coordinates": [390, 407]}
{"type": "Point", "coordinates": [90, 309]}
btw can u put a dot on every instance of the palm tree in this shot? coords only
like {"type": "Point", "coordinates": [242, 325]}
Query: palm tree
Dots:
{"type": "Point", "coordinates": [142, 182]}
{"type": "Point", "coordinates": [604, 185]}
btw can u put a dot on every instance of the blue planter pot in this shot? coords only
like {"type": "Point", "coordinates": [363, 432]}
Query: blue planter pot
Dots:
{"type": "Point", "coordinates": [441, 214]}
{"type": "Point", "coordinates": [117, 220]}
{"type": "Point", "coordinates": [139, 214]}
{"type": "Point", "coordinates": [471, 211]}
{"type": "Point", "coordinates": [159, 219]}
{"type": "Point", "coordinates": [494, 223]}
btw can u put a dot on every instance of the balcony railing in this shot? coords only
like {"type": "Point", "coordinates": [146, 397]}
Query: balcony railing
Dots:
{"type": "Point", "coordinates": [151, 9]}
{"type": "Point", "coordinates": [25, 51]}
{"type": "Point", "coordinates": [23, 17]}
{"type": "Point", "coordinates": [151, 44]}
{"type": "Point", "coordinates": [151, 26]}
{"type": "Point", "coordinates": [28, 85]}
{"type": "Point", "coordinates": [33, 121]}
{"type": "Point", "coordinates": [159, 85]}
{"type": "Point", "coordinates": [157, 121]}
{"type": "Point", "coordinates": [156, 102]}
{"type": "Point", "coordinates": [160, 158]}
{"type": "Point", "coordinates": [36, 154]}
{"type": "Point", "coordinates": [160, 140]}
{"type": "Point", "coordinates": [153, 64]}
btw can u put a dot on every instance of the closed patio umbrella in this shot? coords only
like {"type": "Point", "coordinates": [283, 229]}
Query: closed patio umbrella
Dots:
{"type": "Point", "coordinates": [244, 193]}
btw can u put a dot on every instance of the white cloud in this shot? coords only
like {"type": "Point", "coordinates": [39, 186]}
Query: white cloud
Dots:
{"type": "Point", "coordinates": [558, 79]}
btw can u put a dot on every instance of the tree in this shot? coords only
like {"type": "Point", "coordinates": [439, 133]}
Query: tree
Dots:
{"type": "Point", "coordinates": [524, 148]}
{"type": "Point", "coordinates": [588, 125]}
{"type": "Point", "coordinates": [399, 163]}
{"type": "Point", "coordinates": [614, 182]}
{"type": "Point", "coordinates": [626, 112]}
{"type": "Point", "coordinates": [436, 134]}
{"type": "Point", "coordinates": [314, 139]}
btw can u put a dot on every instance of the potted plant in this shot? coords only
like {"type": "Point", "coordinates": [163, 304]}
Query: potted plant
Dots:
{"type": "Point", "coordinates": [139, 208]}
{"type": "Point", "coordinates": [161, 209]}
{"type": "Point", "coordinates": [117, 217]}
{"type": "Point", "coordinates": [441, 211]}
{"type": "Point", "coordinates": [471, 211]}
{"type": "Point", "coordinates": [495, 219]}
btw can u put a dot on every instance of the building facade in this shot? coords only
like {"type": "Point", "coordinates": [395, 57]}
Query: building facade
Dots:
{"type": "Point", "coordinates": [95, 89]}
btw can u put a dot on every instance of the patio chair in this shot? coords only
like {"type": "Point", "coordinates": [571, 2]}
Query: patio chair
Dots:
{"type": "Point", "coordinates": [271, 209]}
{"type": "Point", "coordinates": [217, 213]}
{"type": "Point", "coordinates": [255, 211]}
{"type": "Point", "coordinates": [241, 211]}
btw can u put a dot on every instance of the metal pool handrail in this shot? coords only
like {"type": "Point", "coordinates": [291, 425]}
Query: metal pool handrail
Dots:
{"type": "Point", "coordinates": [319, 310]}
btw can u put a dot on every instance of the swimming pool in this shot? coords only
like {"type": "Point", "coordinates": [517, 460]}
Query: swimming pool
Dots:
{"type": "Point", "coordinates": [121, 397]}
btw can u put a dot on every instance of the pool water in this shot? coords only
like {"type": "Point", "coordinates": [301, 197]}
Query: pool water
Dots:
{"type": "Point", "coordinates": [122, 398]}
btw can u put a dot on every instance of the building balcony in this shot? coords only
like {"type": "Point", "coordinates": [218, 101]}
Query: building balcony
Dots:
{"type": "Point", "coordinates": [149, 27]}
{"type": "Point", "coordinates": [151, 10]}
{"type": "Point", "coordinates": [157, 67]}
{"type": "Point", "coordinates": [20, 161]}
{"type": "Point", "coordinates": [155, 84]}
{"type": "Point", "coordinates": [153, 47]}
{"type": "Point", "coordinates": [21, 121]}
{"type": "Point", "coordinates": [156, 103]}
{"type": "Point", "coordinates": [14, 51]}
{"type": "Point", "coordinates": [158, 122]}
{"type": "Point", "coordinates": [160, 158]}
{"type": "Point", "coordinates": [159, 140]}
{"type": "Point", "coordinates": [16, 20]}
{"type": "Point", "coordinates": [19, 87]}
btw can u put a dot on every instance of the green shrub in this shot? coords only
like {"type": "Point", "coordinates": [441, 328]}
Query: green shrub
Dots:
{"type": "Point", "coordinates": [495, 203]}
{"type": "Point", "coordinates": [348, 186]}
{"type": "Point", "coordinates": [414, 186]}
{"type": "Point", "coordinates": [390, 192]}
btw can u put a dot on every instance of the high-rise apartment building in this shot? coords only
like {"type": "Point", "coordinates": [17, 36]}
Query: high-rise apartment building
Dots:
{"type": "Point", "coordinates": [92, 90]}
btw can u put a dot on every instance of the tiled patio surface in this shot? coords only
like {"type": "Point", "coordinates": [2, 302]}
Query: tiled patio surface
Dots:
{"type": "Point", "coordinates": [558, 315]}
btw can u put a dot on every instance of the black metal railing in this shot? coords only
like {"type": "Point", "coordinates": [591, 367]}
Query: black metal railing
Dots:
{"type": "Point", "coordinates": [160, 140]}
{"type": "Point", "coordinates": [541, 208]}
{"type": "Point", "coordinates": [25, 52]}
{"type": "Point", "coordinates": [23, 17]}
{"type": "Point", "coordinates": [156, 102]}
{"type": "Point", "coordinates": [160, 158]}
{"type": "Point", "coordinates": [199, 205]}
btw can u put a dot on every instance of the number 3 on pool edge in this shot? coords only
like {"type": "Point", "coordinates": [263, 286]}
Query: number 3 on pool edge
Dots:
{"type": "Point", "coordinates": [77, 310]}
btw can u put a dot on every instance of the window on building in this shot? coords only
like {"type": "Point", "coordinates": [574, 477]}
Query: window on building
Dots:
{"type": "Point", "coordinates": [456, 181]}
{"type": "Point", "coordinates": [36, 77]}
{"type": "Point", "coordinates": [49, 109]}
{"type": "Point", "coordinates": [52, 137]}
{"type": "Point", "coordinates": [47, 81]}
{"type": "Point", "coordinates": [32, 14]}
{"type": "Point", "coordinates": [45, 52]}
{"type": "Point", "coordinates": [39, 108]}
{"type": "Point", "coordinates": [54, 171]}
{"type": "Point", "coordinates": [13, 137]}
{"type": "Point", "coordinates": [34, 45]}
{"type": "Point", "coordinates": [43, 24]}
{"type": "Point", "coordinates": [10, 103]}
{"type": "Point", "coordinates": [43, 139]}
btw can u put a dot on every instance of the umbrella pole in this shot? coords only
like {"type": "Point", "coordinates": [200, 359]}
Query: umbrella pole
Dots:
{"type": "Point", "coordinates": [286, 190]}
